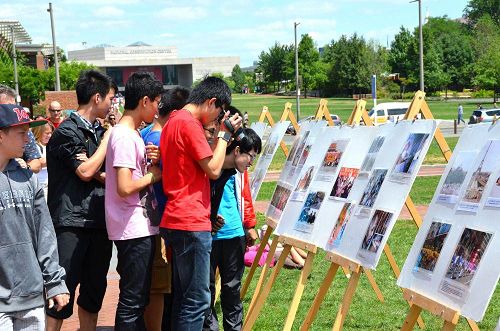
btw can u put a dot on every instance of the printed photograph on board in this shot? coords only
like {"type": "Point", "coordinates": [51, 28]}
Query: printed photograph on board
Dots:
{"type": "Point", "coordinates": [300, 147]}
{"type": "Point", "coordinates": [451, 187]}
{"type": "Point", "coordinates": [333, 156]}
{"type": "Point", "coordinates": [494, 195]}
{"type": "Point", "coordinates": [338, 230]}
{"type": "Point", "coordinates": [490, 156]}
{"type": "Point", "coordinates": [295, 147]}
{"type": "Point", "coordinates": [305, 180]}
{"type": "Point", "coordinates": [280, 197]}
{"type": "Point", "coordinates": [309, 211]}
{"type": "Point", "coordinates": [257, 177]}
{"type": "Point", "coordinates": [371, 191]}
{"type": "Point", "coordinates": [344, 182]}
{"type": "Point", "coordinates": [374, 235]}
{"type": "Point", "coordinates": [431, 249]}
{"type": "Point", "coordinates": [465, 262]}
{"type": "Point", "coordinates": [369, 160]}
{"type": "Point", "coordinates": [409, 156]}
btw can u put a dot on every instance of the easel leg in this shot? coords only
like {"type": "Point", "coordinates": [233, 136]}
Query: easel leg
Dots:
{"type": "Point", "coordinates": [313, 311]}
{"type": "Point", "coordinates": [411, 319]}
{"type": "Point", "coordinates": [261, 299]}
{"type": "Point", "coordinates": [263, 274]}
{"type": "Point", "coordinates": [346, 302]}
{"type": "Point", "coordinates": [397, 272]}
{"type": "Point", "coordinates": [448, 326]}
{"type": "Point", "coordinates": [255, 263]}
{"type": "Point", "coordinates": [217, 284]}
{"type": "Point", "coordinates": [374, 285]}
{"type": "Point", "coordinates": [306, 271]}
{"type": "Point", "coordinates": [473, 325]}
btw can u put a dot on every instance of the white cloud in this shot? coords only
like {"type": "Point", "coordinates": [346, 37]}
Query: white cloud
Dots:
{"type": "Point", "coordinates": [108, 12]}
{"type": "Point", "coordinates": [183, 13]}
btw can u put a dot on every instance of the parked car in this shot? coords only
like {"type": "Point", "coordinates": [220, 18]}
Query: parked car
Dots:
{"type": "Point", "coordinates": [388, 111]}
{"type": "Point", "coordinates": [291, 130]}
{"type": "Point", "coordinates": [484, 115]}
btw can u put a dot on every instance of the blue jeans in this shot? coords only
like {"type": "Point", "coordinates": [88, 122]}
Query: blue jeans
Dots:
{"type": "Point", "coordinates": [135, 260]}
{"type": "Point", "coordinates": [190, 277]}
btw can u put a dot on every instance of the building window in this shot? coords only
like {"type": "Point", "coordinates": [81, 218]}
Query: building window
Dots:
{"type": "Point", "coordinates": [116, 75]}
{"type": "Point", "coordinates": [170, 76]}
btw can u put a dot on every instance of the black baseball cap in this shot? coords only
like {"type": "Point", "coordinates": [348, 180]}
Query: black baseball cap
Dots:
{"type": "Point", "coordinates": [14, 115]}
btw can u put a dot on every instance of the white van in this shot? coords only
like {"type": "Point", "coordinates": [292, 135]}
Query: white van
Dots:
{"type": "Point", "coordinates": [388, 111]}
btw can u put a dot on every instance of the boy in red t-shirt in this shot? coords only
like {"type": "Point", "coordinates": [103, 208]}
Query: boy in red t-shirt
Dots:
{"type": "Point", "coordinates": [188, 164]}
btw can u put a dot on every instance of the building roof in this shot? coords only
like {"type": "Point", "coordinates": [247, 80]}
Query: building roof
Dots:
{"type": "Point", "coordinates": [138, 43]}
{"type": "Point", "coordinates": [20, 34]}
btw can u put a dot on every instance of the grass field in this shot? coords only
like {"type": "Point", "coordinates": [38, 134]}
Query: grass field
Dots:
{"type": "Point", "coordinates": [253, 104]}
{"type": "Point", "coordinates": [366, 312]}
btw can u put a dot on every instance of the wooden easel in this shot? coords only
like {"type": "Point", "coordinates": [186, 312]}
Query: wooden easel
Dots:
{"type": "Point", "coordinates": [415, 300]}
{"type": "Point", "coordinates": [259, 297]}
{"type": "Point", "coordinates": [323, 112]}
{"type": "Point", "coordinates": [419, 302]}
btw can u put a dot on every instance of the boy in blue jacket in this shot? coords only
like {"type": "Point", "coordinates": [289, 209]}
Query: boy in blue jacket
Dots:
{"type": "Point", "coordinates": [29, 263]}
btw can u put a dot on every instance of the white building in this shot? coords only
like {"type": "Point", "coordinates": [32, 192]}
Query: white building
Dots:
{"type": "Point", "coordinates": [162, 61]}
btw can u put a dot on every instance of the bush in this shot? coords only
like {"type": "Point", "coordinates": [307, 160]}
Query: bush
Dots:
{"type": "Point", "coordinates": [483, 94]}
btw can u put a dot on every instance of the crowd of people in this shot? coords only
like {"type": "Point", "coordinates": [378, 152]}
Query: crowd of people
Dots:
{"type": "Point", "coordinates": [173, 198]}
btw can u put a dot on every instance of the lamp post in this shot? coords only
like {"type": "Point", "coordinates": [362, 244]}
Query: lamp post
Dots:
{"type": "Point", "coordinates": [421, 44]}
{"type": "Point", "coordinates": [54, 47]}
{"type": "Point", "coordinates": [297, 89]}
{"type": "Point", "coordinates": [14, 59]}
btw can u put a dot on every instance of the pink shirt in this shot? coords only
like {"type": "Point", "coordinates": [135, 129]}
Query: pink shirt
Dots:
{"type": "Point", "coordinates": [126, 217]}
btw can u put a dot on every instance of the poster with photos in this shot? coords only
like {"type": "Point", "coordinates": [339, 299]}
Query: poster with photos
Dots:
{"type": "Point", "coordinates": [431, 249]}
{"type": "Point", "coordinates": [409, 157]}
{"type": "Point", "coordinates": [296, 155]}
{"type": "Point", "coordinates": [338, 230]}
{"type": "Point", "coordinates": [465, 263]}
{"type": "Point", "coordinates": [303, 184]}
{"type": "Point", "coordinates": [256, 179]}
{"type": "Point", "coordinates": [331, 160]}
{"type": "Point", "coordinates": [344, 182]}
{"type": "Point", "coordinates": [488, 162]}
{"type": "Point", "coordinates": [374, 238]}
{"type": "Point", "coordinates": [373, 188]}
{"type": "Point", "coordinates": [370, 157]}
{"type": "Point", "coordinates": [307, 217]}
{"type": "Point", "coordinates": [455, 178]}
{"type": "Point", "coordinates": [278, 201]}
{"type": "Point", "coordinates": [494, 195]}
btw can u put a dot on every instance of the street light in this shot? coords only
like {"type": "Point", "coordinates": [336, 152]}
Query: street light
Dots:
{"type": "Point", "coordinates": [54, 47]}
{"type": "Point", "coordinates": [14, 59]}
{"type": "Point", "coordinates": [421, 44]}
{"type": "Point", "coordinates": [297, 89]}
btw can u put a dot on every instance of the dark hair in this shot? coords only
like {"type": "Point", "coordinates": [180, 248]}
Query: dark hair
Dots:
{"type": "Point", "coordinates": [211, 87]}
{"type": "Point", "coordinates": [233, 110]}
{"type": "Point", "coordinates": [140, 85]}
{"type": "Point", "coordinates": [251, 141]}
{"type": "Point", "coordinates": [173, 99]}
{"type": "Point", "coordinates": [91, 82]}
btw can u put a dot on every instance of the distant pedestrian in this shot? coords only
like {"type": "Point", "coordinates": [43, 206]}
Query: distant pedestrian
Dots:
{"type": "Point", "coordinates": [479, 106]}
{"type": "Point", "coordinates": [460, 114]}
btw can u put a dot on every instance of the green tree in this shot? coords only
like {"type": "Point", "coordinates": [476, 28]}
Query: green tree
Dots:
{"type": "Point", "coordinates": [238, 77]}
{"type": "Point", "coordinates": [476, 9]}
{"type": "Point", "coordinates": [313, 73]}
{"type": "Point", "coordinates": [487, 46]}
{"type": "Point", "coordinates": [273, 65]}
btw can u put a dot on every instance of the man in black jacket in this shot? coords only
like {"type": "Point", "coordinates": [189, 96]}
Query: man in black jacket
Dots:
{"type": "Point", "coordinates": [76, 200]}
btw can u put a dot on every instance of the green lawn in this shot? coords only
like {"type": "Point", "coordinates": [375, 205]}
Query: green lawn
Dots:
{"type": "Point", "coordinates": [366, 312]}
{"type": "Point", "coordinates": [343, 107]}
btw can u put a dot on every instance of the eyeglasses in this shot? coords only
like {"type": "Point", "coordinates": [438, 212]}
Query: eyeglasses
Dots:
{"type": "Point", "coordinates": [211, 131]}
{"type": "Point", "coordinates": [252, 157]}
{"type": "Point", "coordinates": [54, 110]}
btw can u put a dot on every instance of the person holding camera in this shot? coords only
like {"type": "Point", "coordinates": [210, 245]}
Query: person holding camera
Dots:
{"type": "Point", "coordinates": [188, 164]}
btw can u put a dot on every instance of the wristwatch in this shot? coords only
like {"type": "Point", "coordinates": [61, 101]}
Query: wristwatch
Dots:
{"type": "Point", "coordinates": [224, 135]}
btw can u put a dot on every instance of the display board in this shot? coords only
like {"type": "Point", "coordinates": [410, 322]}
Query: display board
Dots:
{"type": "Point", "coordinates": [299, 154]}
{"type": "Point", "coordinates": [454, 258]}
{"type": "Point", "coordinates": [259, 128]}
{"type": "Point", "coordinates": [270, 147]}
{"type": "Point", "coordinates": [358, 227]}
{"type": "Point", "coordinates": [336, 160]}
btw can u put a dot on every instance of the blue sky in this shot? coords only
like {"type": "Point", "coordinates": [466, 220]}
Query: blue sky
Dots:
{"type": "Point", "coordinates": [202, 28]}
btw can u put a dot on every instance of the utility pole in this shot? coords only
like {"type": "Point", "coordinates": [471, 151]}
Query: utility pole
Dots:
{"type": "Point", "coordinates": [421, 44]}
{"type": "Point", "coordinates": [297, 88]}
{"type": "Point", "coordinates": [54, 47]}
{"type": "Point", "coordinates": [14, 60]}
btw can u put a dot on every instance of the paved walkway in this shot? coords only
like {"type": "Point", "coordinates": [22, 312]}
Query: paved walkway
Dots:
{"type": "Point", "coordinates": [107, 314]}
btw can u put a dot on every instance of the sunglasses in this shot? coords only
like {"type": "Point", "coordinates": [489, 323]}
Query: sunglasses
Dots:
{"type": "Point", "coordinates": [55, 110]}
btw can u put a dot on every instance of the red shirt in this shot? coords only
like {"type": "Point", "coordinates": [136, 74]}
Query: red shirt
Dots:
{"type": "Point", "coordinates": [187, 187]}
{"type": "Point", "coordinates": [55, 124]}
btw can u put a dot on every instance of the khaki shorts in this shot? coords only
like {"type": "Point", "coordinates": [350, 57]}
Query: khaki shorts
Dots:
{"type": "Point", "coordinates": [161, 274]}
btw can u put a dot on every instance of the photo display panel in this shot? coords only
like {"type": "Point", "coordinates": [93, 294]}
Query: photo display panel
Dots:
{"type": "Point", "coordinates": [454, 259]}
{"type": "Point", "coordinates": [359, 226]}
{"type": "Point", "coordinates": [303, 218]}
{"type": "Point", "coordinates": [297, 158]}
{"type": "Point", "coordinates": [266, 156]}
{"type": "Point", "coordinates": [259, 128]}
